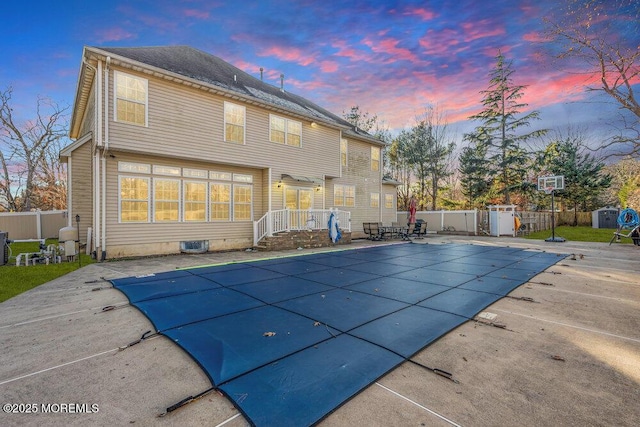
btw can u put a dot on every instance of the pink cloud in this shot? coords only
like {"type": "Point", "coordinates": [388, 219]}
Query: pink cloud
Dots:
{"type": "Point", "coordinates": [194, 13]}
{"type": "Point", "coordinates": [390, 47]}
{"type": "Point", "coordinates": [113, 34]}
{"type": "Point", "coordinates": [481, 29]}
{"type": "Point", "coordinates": [289, 54]}
{"type": "Point", "coordinates": [422, 13]}
{"type": "Point", "coordinates": [440, 42]}
{"type": "Point", "coordinates": [535, 37]}
{"type": "Point", "coordinates": [349, 52]}
{"type": "Point", "coordinates": [329, 66]}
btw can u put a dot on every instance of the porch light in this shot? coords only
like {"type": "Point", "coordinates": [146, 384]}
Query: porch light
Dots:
{"type": "Point", "coordinates": [280, 184]}
{"type": "Point", "coordinates": [319, 187]}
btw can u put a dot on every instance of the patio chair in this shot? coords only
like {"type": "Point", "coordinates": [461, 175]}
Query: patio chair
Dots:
{"type": "Point", "coordinates": [376, 234]}
{"type": "Point", "coordinates": [367, 229]}
{"type": "Point", "coordinates": [421, 230]}
{"type": "Point", "coordinates": [408, 231]}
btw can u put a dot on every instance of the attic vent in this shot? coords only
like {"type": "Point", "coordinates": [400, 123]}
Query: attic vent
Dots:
{"type": "Point", "coordinates": [194, 247]}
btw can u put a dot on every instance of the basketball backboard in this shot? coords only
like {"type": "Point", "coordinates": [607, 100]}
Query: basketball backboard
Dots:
{"type": "Point", "coordinates": [550, 183]}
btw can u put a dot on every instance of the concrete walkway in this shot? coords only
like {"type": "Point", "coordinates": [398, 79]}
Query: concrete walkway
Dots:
{"type": "Point", "coordinates": [564, 351]}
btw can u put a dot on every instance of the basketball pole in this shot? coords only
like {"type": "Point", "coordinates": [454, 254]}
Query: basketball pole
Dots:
{"type": "Point", "coordinates": [553, 237]}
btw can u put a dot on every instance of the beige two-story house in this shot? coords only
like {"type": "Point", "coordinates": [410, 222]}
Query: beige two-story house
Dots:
{"type": "Point", "coordinates": [173, 146]}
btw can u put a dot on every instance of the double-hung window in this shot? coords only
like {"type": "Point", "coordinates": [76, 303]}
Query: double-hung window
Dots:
{"type": "Point", "coordinates": [375, 200]}
{"type": "Point", "coordinates": [388, 201]}
{"type": "Point", "coordinates": [241, 202]}
{"type": "Point", "coordinates": [234, 123]}
{"type": "Point", "coordinates": [375, 158]}
{"type": "Point", "coordinates": [343, 152]}
{"type": "Point", "coordinates": [166, 200]}
{"type": "Point", "coordinates": [134, 199]}
{"type": "Point", "coordinates": [285, 131]}
{"type": "Point", "coordinates": [344, 195]}
{"type": "Point", "coordinates": [220, 201]}
{"type": "Point", "coordinates": [131, 99]}
{"type": "Point", "coordinates": [195, 201]}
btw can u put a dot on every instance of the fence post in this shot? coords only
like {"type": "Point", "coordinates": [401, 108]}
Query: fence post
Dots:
{"type": "Point", "coordinates": [39, 224]}
{"type": "Point", "coordinates": [475, 222]}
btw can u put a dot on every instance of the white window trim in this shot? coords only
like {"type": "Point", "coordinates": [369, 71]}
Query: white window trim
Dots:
{"type": "Point", "coordinates": [149, 201]}
{"type": "Point", "coordinates": [129, 166]}
{"type": "Point", "coordinates": [372, 197]}
{"type": "Point", "coordinates": [233, 203]}
{"type": "Point", "coordinates": [195, 173]}
{"type": "Point", "coordinates": [229, 203]}
{"type": "Point", "coordinates": [344, 188]}
{"type": "Point", "coordinates": [115, 99]}
{"type": "Point", "coordinates": [153, 210]}
{"type": "Point", "coordinates": [243, 177]}
{"type": "Point", "coordinates": [244, 123]}
{"type": "Point", "coordinates": [184, 202]}
{"type": "Point", "coordinates": [286, 131]}
{"type": "Point", "coordinates": [387, 196]}
{"type": "Point", "coordinates": [162, 170]}
{"type": "Point", "coordinates": [379, 160]}
{"type": "Point", "coordinates": [220, 176]}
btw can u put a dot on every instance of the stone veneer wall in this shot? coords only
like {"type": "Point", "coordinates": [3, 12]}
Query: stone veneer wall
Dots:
{"type": "Point", "coordinates": [302, 239]}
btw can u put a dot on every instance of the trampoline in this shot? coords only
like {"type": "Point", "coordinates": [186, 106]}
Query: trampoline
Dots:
{"type": "Point", "coordinates": [288, 340]}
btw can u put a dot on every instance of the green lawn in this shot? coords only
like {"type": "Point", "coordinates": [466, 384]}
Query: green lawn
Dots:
{"type": "Point", "coordinates": [579, 234]}
{"type": "Point", "coordinates": [15, 280]}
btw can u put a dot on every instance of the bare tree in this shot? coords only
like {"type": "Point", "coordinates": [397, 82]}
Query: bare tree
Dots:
{"type": "Point", "coordinates": [625, 186]}
{"type": "Point", "coordinates": [602, 34]}
{"type": "Point", "coordinates": [428, 151]}
{"type": "Point", "coordinates": [28, 152]}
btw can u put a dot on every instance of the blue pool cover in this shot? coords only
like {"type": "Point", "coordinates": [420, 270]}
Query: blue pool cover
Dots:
{"type": "Point", "coordinates": [290, 339]}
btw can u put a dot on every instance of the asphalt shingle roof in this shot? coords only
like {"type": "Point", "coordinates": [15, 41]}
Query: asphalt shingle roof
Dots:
{"type": "Point", "coordinates": [198, 65]}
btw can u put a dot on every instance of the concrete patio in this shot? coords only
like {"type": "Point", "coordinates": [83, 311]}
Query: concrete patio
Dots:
{"type": "Point", "coordinates": [564, 350]}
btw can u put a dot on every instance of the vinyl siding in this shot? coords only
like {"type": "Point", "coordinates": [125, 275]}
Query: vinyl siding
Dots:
{"type": "Point", "coordinates": [186, 129]}
{"type": "Point", "coordinates": [82, 187]}
{"type": "Point", "coordinates": [127, 238]}
{"type": "Point", "coordinates": [358, 173]}
{"type": "Point", "coordinates": [89, 119]}
{"type": "Point", "coordinates": [389, 215]}
{"type": "Point", "coordinates": [193, 120]}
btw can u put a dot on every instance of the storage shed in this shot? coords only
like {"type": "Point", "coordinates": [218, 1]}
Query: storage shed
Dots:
{"type": "Point", "coordinates": [501, 220]}
{"type": "Point", "coordinates": [605, 217]}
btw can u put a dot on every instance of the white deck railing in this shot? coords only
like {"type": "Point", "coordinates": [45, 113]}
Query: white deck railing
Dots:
{"type": "Point", "coordinates": [297, 219]}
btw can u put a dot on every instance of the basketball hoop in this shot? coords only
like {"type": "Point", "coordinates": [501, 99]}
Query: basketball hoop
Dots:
{"type": "Point", "coordinates": [548, 184]}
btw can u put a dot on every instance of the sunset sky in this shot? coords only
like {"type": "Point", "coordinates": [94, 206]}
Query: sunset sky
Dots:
{"type": "Point", "coordinates": [391, 58]}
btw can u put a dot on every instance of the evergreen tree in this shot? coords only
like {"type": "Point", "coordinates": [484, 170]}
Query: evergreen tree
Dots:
{"type": "Point", "coordinates": [474, 174]}
{"type": "Point", "coordinates": [584, 178]}
{"type": "Point", "coordinates": [501, 128]}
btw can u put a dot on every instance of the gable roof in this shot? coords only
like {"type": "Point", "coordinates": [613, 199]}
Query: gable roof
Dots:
{"type": "Point", "coordinates": [196, 65]}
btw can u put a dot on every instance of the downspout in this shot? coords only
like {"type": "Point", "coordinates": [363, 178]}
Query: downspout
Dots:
{"type": "Point", "coordinates": [324, 192]}
{"type": "Point", "coordinates": [270, 194]}
{"type": "Point", "coordinates": [104, 159]}
{"type": "Point", "coordinates": [99, 144]}
{"type": "Point", "coordinates": [69, 192]}
{"type": "Point", "coordinates": [98, 134]}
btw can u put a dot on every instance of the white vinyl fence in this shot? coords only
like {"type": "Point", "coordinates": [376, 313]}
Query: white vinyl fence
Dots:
{"type": "Point", "coordinates": [33, 225]}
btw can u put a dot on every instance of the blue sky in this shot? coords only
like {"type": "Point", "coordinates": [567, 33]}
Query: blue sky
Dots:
{"type": "Point", "coordinates": [391, 58]}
